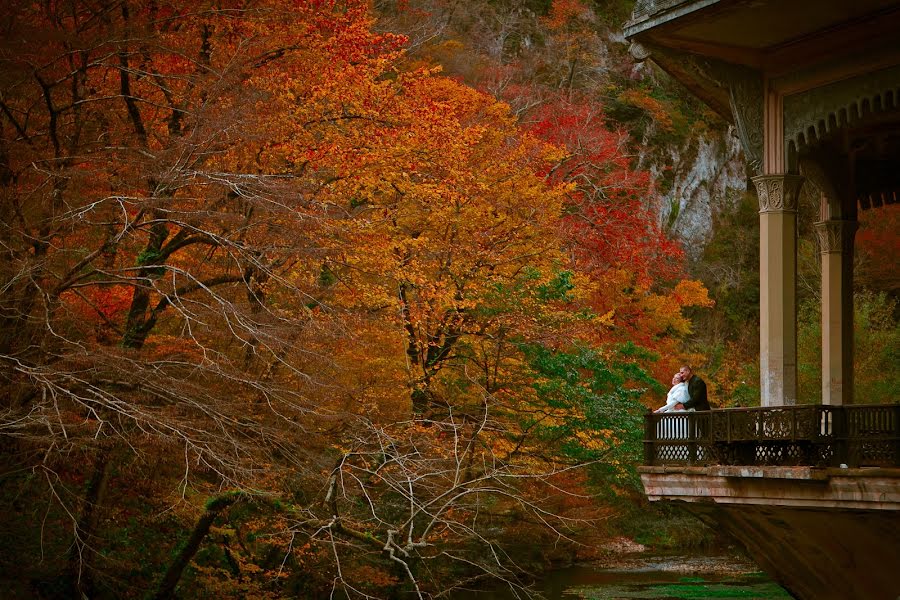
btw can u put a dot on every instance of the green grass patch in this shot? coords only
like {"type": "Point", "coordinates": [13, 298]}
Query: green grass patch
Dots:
{"type": "Point", "coordinates": [707, 591]}
{"type": "Point", "coordinates": [690, 588]}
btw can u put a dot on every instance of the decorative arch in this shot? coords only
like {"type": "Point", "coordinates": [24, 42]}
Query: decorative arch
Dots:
{"type": "Point", "coordinates": [846, 113]}
{"type": "Point", "coordinates": [815, 115]}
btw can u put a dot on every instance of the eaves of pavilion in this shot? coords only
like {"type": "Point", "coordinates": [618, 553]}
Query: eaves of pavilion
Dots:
{"type": "Point", "coordinates": [813, 88]}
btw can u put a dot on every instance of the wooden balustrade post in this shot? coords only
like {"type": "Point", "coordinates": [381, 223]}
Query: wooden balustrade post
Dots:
{"type": "Point", "coordinates": [839, 436]}
{"type": "Point", "coordinates": [692, 431]}
{"type": "Point", "coordinates": [649, 438]}
{"type": "Point", "coordinates": [896, 434]}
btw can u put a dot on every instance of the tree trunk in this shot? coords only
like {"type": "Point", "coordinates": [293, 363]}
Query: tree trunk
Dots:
{"type": "Point", "coordinates": [79, 566]}
{"type": "Point", "coordinates": [170, 580]}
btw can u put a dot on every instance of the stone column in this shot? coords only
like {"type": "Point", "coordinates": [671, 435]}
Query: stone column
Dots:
{"type": "Point", "coordinates": [778, 195]}
{"type": "Point", "coordinates": [836, 248]}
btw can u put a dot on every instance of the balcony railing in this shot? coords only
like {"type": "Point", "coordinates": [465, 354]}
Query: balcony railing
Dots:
{"type": "Point", "coordinates": [818, 435]}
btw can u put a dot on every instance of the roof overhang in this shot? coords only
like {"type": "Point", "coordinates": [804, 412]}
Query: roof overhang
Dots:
{"type": "Point", "coordinates": [835, 65]}
{"type": "Point", "coordinates": [771, 36]}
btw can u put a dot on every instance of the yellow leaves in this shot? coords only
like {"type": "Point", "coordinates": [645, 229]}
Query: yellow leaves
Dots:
{"type": "Point", "coordinates": [690, 292]}
{"type": "Point", "coordinates": [594, 440]}
{"type": "Point", "coordinates": [654, 108]}
{"type": "Point", "coordinates": [554, 154]}
{"type": "Point", "coordinates": [606, 318]}
{"type": "Point", "coordinates": [501, 446]}
{"type": "Point", "coordinates": [447, 203]}
{"type": "Point", "coordinates": [444, 52]}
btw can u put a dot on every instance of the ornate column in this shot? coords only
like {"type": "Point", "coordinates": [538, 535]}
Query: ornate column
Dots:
{"type": "Point", "coordinates": [836, 248]}
{"type": "Point", "coordinates": [778, 196]}
{"type": "Point", "coordinates": [831, 171]}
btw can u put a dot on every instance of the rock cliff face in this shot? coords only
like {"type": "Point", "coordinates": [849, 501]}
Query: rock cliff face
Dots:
{"type": "Point", "coordinates": [708, 173]}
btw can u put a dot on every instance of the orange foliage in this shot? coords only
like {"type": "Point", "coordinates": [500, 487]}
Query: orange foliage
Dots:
{"type": "Point", "coordinates": [657, 111]}
{"type": "Point", "coordinates": [251, 250]}
{"type": "Point", "coordinates": [878, 247]}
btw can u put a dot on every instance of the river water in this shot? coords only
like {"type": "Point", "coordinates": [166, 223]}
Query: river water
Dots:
{"type": "Point", "coordinates": [652, 578]}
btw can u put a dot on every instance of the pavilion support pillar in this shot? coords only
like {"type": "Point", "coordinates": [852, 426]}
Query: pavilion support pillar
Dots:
{"type": "Point", "coordinates": [836, 251]}
{"type": "Point", "coordinates": [778, 196]}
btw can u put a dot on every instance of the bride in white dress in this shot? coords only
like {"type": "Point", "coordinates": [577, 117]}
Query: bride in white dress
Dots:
{"type": "Point", "coordinates": [677, 395]}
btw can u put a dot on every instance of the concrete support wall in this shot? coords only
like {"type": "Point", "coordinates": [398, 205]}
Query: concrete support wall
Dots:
{"type": "Point", "coordinates": [816, 554]}
{"type": "Point", "coordinates": [822, 533]}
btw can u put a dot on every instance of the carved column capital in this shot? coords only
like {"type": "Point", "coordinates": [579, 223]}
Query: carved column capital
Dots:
{"type": "Point", "coordinates": [778, 193]}
{"type": "Point", "coordinates": [836, 236]}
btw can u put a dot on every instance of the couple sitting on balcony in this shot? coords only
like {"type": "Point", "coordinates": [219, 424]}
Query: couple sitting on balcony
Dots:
{"type": "Point", "coordinates": [688, 393]}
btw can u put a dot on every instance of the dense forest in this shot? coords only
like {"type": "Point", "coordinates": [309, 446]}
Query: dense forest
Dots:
{"type": "Point", "coordinates": [341, 297]}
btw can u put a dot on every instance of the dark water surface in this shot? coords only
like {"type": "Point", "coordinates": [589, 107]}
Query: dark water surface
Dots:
{"type": "Point", "coordinates": [652, 578]}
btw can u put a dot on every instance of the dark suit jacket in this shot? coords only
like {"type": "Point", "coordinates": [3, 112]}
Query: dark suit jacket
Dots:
{"type": "Point", "coordinates": [697, 392]}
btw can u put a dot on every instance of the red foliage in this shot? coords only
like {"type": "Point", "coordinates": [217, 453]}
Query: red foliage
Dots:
{"type": "Point", "coordinates": [564, 12]}
{"type": "Point", "coordinates": [107, 304]}
{"type": "Point", "coordinates": [878, 247]}
{"type": "Point", "coordinates": [611, 217]}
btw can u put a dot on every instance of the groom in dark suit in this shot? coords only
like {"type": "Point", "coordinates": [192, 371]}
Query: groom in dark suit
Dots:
{"type": "Point", "coordinates": [696, 390]}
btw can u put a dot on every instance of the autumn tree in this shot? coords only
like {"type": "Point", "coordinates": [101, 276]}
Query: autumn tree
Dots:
{"type": "Point", "coordinates": [152, 261]}
{"type": "Point", "coordinates": [559, 67]}
{"type": "Point", "coordinates": [272, 292]}
{"type": "Point", "coordinates": [161, 258]}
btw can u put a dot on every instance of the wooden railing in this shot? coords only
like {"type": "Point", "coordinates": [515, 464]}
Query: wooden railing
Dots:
{"type": "Point", "coordinates": [817, 435]}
